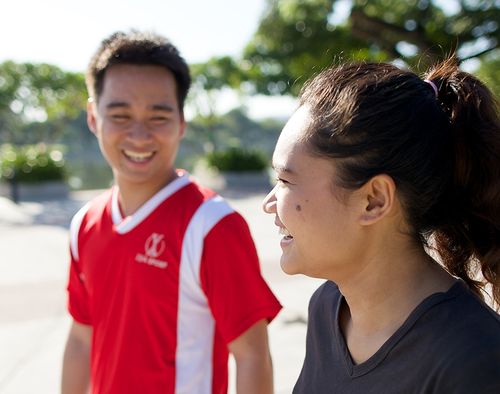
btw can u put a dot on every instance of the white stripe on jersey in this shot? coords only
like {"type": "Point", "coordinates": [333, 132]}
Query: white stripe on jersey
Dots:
{"type": "Point", "coordinates": [74, 230]}
{"type": "Point", "coordinates": [195, 324]}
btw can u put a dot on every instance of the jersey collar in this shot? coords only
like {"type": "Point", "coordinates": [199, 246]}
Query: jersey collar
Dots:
{"type": "Point", "coordinates": [124, 225]}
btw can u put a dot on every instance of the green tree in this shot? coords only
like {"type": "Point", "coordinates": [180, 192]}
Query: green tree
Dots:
{"type": "Point", "coordinates": [31, 93]}
{"type": "Point", "coordinates": [209, 81]}
{"type": "Point", "coordinates": [297, 38]}
{"type": "Point", "coordinates": [490, 74]}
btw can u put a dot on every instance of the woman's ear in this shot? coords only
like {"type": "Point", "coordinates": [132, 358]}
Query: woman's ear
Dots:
{"type": "Point", "coordinates": [378, 196]}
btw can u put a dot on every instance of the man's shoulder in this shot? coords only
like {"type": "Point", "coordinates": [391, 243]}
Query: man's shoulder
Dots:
{"type": "Point", "coordinates": [209, 203]}
{"type": "Point", "coordinates": [198, 190]}
{"type": "Point", "coordinates": [98, 202]}
{"type": "Point", "coordinates": [93, 209]}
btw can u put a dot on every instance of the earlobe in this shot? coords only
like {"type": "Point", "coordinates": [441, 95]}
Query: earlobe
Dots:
{"type": "Point", "coordinates": [378, 197]}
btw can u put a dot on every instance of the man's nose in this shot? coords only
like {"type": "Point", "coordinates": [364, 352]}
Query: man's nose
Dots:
{"type": "Point", "coordinates": [139, 132]}
{"type": "Point", "coordinates": [269, 203]}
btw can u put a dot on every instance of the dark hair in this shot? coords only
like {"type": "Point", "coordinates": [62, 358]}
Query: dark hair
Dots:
{"type": "Point", "coordinates": [140, 48]}
{"type": "Point", "coordinates": [442, 151]}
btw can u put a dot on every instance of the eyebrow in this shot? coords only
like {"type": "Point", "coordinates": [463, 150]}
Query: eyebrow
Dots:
{"type": "Point", "coordinates": [279, 168]}
{"type": "Point", "coordinates": [162, 107]}
{"type": "Point", "coordinates": [154, 107]}
{"type": "Point", "coordinates": [117, 104]}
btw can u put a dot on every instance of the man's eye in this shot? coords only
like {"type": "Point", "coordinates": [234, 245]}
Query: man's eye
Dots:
{"type": "Point", "coordinates": [281, 180]}
{"type": "Point", "coordinates": [120, 117]}
{"type": "Point", "coordinates": [159, 119]}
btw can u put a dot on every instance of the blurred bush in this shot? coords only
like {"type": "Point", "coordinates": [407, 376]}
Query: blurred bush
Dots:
{"type": "Point", "coordinates": [32, 163]}
{"type": "Point", "coordinates": [237, 160]}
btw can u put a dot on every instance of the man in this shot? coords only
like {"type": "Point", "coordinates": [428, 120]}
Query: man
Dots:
{"type": "Point", "coordinates": [164, 276]}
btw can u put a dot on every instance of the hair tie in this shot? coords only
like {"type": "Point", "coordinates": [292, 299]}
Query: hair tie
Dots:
{"type": "Point", "coordinates": [434, 87]}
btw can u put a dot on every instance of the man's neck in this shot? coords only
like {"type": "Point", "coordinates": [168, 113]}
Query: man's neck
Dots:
{"type": "Point", "coordinates": [131, 196]}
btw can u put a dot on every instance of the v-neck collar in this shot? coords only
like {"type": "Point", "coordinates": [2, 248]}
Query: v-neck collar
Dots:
{"type": "Point", "coordinates": [124, 225]}
{"type": "Point", "coordinates": [355, 370]}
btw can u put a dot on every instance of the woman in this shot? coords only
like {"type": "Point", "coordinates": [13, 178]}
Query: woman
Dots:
{"type": "Point", "coordinates": [381, 175]}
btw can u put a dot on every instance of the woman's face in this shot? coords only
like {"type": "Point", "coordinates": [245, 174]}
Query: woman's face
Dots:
{"type": "Point", "coordinates": [321, 236]}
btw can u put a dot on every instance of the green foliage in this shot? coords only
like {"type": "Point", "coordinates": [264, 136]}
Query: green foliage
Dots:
{"type": "Point", "coordinates": [209, 81]}
{"type": "Point", "coordinates": [489, 73]}
{"type": "Point", "coordinates": [31, 163]}
{"type": "Point", "coordinates": [37, 93]}
{"type": "Point", "coordinates": [234, 128]}
{"type": "Point", "coordinates": [295, 39]}
{"type": "Point", "coordinates": [237, 160]}
{"type": "Point", "coordinates": [216, 73]}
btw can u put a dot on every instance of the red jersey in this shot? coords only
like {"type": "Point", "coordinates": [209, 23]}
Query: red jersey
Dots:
{"type": "Point", "coordinates": [165, 290]}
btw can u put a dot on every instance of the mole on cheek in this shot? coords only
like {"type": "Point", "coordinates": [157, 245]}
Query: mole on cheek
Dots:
{"type": "Point", "coordinates": [298, 208]}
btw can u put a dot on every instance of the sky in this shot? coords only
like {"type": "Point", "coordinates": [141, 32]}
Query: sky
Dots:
{"type": "Point", "coordinates": [66, 33]}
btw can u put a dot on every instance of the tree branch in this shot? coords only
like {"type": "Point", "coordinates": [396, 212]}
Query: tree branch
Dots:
{"type": "Point", "coordinates": [477, 54]}
{"type": "Point", "coordinates": [374, 29]}
{"type": "Point", "coordinates": [384, 44]}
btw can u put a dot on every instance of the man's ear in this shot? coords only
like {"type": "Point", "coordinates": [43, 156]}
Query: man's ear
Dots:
{"type": "Point", "coordinates": [91, 115]}
{"type": "Point", "coordinates": [378, 195]}
{"type": "Point", "coordinates": [183, 125]}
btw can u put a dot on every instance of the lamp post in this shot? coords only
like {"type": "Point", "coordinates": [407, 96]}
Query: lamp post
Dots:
{"type": "Point", "coordinates": [14, 187]}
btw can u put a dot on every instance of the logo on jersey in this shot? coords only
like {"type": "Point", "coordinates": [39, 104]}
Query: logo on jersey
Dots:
{"type": "Point", "coordinates": [153, 248]}
{"type": "Point", "coordinates": [155, 245]}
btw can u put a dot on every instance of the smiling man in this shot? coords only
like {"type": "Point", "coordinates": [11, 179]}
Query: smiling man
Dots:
{"type": "Point", "coordinates": [164, 279]}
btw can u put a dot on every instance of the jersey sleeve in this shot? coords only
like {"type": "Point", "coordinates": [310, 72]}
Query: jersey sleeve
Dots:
{"type": "Point", "coordinates": [77, 295]}
{"type": "Point", "coordinates": [231, 278]}
{"type": "Point", "coordinates": [78, 303]}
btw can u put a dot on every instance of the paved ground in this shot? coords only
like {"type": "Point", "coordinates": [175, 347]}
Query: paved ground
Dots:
{"type": "Point", "coordinates": [33, 267]}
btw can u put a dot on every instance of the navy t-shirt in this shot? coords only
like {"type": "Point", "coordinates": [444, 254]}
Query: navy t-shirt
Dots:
{"type": "Point", "coordinates": [450, 343]}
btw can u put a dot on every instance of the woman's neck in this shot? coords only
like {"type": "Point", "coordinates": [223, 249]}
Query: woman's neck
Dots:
{"type": "Point", "coordinates": [381, 296]}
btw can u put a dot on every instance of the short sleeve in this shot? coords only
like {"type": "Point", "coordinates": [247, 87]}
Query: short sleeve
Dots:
{"type": "Point", "coordinates": [231, 278]}
{"type": "Point", "coordinates": [78, 303]}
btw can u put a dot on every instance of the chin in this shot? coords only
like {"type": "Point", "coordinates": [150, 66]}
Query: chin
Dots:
{"type": "Point", "coordinates": [288, 267]}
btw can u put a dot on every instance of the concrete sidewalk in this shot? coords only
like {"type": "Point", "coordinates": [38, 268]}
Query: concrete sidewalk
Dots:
{"type": "Point", "coordinates": [33, 267]}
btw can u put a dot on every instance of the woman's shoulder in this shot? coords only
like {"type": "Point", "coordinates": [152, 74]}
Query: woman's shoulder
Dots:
{"type": "Point", "coordinates": [461, 324]}
{"type": "Point", "coordinates": [469, 346]}
{"type": "Point", "coordinates": [326, 290]}
{"type": "Point", "coordinates": [326, 295]}
{"type": "Point", "coordinates": [456, 338]}
{"type": "Point", "coordinates": [467, 311]}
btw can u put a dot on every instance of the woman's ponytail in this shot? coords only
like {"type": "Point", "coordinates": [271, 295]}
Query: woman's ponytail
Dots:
{"type": "Point", "coordinates": [470, 239]}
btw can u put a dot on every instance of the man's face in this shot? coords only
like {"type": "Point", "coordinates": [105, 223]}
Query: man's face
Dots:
{"type": "Point", "coordinates": [139, 124]}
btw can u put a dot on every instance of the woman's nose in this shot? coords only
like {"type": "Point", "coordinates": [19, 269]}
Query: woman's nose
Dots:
{"type": "Point", "coordinates": [269, 203]}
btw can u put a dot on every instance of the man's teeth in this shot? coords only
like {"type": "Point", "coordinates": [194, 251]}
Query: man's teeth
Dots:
{"type": "Point", "coordinates": [138, 156]}
{"type": "Point", "coordinates": [284, 231]}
